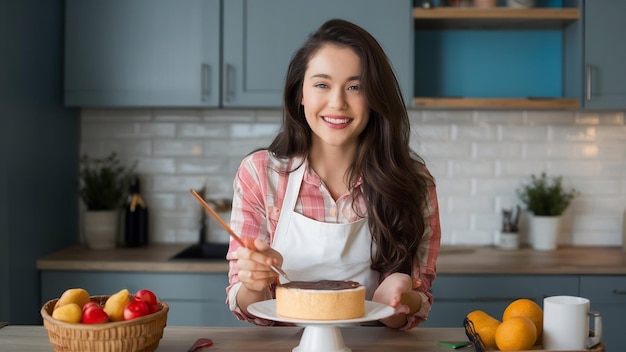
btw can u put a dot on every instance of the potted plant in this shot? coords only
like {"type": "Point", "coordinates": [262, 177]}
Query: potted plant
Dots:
{"type": "Point", "coordinates": [546, 199]}
{"type": "Point", "coordinates": [103, 186]}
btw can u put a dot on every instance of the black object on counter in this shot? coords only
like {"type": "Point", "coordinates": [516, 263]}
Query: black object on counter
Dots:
{"type": "Point", "coordinates": [136, 219]}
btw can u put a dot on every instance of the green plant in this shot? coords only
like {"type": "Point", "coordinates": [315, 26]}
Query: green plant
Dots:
{"type": "Point", "coordinates": [546, 196]}
{"type": "Point", "coordinates": [103, 182]}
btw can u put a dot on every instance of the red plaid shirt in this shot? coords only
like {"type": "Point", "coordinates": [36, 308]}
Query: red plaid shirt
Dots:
{"type": "Point", "coordinates": [259, 191]}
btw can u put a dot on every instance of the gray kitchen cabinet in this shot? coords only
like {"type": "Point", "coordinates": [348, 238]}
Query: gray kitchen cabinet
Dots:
{"type": "Point", "coordinates": [136, 53]}
{"type": "Point", "coordinates": [458, 295]}
{"type": "Point", "coordinates": [608, 296]}
{"type": "Point", "coordinates": [260, 38]}
{"type": "Point", "coordinates": [195, 299]}
{"type": "Point", "coordinates": [142, 53]}
{"type": "Point", "coordinates": [595, 55]}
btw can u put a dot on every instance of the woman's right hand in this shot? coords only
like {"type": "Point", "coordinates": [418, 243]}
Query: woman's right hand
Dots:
{"type": "Point", "coordinates": [254, 265]}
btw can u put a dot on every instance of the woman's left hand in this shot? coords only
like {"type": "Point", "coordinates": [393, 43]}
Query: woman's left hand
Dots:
{"type": "Point", "coordinates": [390, 292]}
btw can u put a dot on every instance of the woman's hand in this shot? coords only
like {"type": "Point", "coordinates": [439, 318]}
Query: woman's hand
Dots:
{"type": "Point", "coordinates": [397, 291]}
{"type": "Point", "coordinates": [254, 265]}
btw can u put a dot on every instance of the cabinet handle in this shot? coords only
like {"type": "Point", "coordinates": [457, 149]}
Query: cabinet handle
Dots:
{"type": "Point", "coordinates": [227, 74]}
{"type": "Point", "coordinates": [588, 90]}
{"type": "Point", "coordinates": [206, 81]}
{"type": "Point", "coordinates": [619, 292]}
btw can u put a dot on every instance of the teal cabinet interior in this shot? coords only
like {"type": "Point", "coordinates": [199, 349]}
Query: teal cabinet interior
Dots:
{"type": "Point", "coordinates": [608, 296]}
{"type": "Point", "coordinates": [595, 70]}
{"type": "Point", "coordinates": [482, 57]}
{"type": "Point", "coordinates": [195, 299]}
{"type": "Point", "coordinates": [165, 53]}
{"type": "Point", "coordinates": [458, 295]}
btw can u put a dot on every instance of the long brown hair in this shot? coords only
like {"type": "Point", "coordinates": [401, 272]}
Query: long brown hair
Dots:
{"type": "Point", "coordinates": [395, 180]}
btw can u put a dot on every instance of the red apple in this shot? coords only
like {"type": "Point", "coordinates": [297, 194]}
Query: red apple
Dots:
{"type": "Point", "coordinates": [94, 314]}
{"type": "Point", "coordinates": [147, 296]}
{"type": "Point", "coordinates": [136, 309]}
{"type": "Point", "coordinates": [90, 304]}
{"type": "Point", "coordinates": [154, 308]}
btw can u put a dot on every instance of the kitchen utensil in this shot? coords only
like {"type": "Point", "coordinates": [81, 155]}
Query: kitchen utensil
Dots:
{"type": "Point", "coordinates": [232, 233]}
{"type": "Point", "coordinates": [200, 344]}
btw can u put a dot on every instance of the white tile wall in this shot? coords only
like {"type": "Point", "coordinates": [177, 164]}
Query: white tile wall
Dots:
{"type": "Point", "coordinates": [478, 157]}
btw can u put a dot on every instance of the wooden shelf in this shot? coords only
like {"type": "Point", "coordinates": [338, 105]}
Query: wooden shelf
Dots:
{"type": "Point", "coordinates": [494, 18]}
{"type": "Point", "coordinates": [497, 103]}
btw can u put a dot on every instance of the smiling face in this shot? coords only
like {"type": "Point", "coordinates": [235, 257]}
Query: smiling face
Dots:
{"type": "Point", "coordinates": [335, 108]}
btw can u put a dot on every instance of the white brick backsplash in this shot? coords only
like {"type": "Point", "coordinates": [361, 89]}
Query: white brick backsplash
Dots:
{"type": "Point", "coordinates": [202, 166]}
{"type": "Point", "coordinates": [491, 118]}
{"type": "Point", "coordinates": [177, 115]}
{"type": "Point", "coordinates": [256, 130]}
{"type": "Point", "coordinates": [573, 133]}
{"type": "Point", "coordinates": [178, 147]}
{"type": "Point", "coordinates": [478, 158]}
{"type": "Point", "coordinates": [204, 130]}
{"type": "Point", "coordinates": [596, 118]}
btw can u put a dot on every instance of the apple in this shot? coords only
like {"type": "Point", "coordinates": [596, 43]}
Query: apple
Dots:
{"type": "Point", "coordinates": [90, 304]}
{"type": "Point", "coordinates": [150, 298]}
{"type": "Point", "coordinates": [147, 296]}
{"type": "Point", "coordinates": [94, 314]}
{"type": "Point", "coordinates": [136, 309]}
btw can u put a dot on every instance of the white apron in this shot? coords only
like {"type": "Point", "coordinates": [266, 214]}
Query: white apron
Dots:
{"type": "Point", "coordinates": [314, 250]}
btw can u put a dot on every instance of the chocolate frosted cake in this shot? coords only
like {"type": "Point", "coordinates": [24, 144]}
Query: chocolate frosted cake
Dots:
{"type": "Point", "coordinates": [320, 300]}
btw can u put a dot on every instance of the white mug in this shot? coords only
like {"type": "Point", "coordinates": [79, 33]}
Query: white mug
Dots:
{"type": "Point", "coordinates": [566, 323]}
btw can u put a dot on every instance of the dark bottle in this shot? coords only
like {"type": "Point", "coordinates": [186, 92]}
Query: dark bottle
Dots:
{"type": "Point", "coordinates": [136, 217]}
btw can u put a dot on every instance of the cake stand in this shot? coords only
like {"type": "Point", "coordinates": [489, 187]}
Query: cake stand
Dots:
{"type": "Point", "coordinates": [321, 335]}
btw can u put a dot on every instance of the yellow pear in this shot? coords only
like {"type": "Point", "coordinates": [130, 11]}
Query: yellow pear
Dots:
{"type": "Point", "coordinates": [69, 313]}
{"type": "Point", "coordinates": [73, 295]}
{"type": "Point", "coordinates": [114, 306]}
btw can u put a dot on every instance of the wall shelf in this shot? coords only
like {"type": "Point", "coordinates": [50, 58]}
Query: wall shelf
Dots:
{"type": "Point", "coordinates": [494, 18]}
{"type": "Point", "coordinates": [467, 58]}
{"type": "Point", "coordinates": [496, 103]}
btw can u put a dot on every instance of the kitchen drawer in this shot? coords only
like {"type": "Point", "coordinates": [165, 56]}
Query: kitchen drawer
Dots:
{"type": "Point", "coordinates": [457, 295]}
{"type": "Point", "coordinates": [604, 289]}
{"type": "Point", "coordinates": [194, 299]}
{"type": "Point", "coordinates": [166, 285]}
{"type": "Point", "coordinates": [186, 313]}
{"type": "Point", "coordinates": [502, 287]}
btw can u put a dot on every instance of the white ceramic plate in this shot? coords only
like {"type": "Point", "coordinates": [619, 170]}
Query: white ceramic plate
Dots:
{"type": "Point", "coordinates": [373, 311]}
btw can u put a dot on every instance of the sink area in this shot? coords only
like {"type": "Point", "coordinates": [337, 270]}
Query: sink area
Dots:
{"type": "Point", "coordinates": [203, 251]}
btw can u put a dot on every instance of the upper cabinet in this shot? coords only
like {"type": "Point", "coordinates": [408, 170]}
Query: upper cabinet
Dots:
{"type": "Point", "coordinates": [492, 57]}
{"type": "Point", "coordinates": [209, 53]}
{"type": "Point", "coordinates": [604, 55]}
{"type": "Point", "coordinates": [260, 38]}
{"type": "Point", "coordinates": [142, 53]}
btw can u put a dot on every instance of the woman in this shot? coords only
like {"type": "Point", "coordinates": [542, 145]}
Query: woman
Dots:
{"type": "Point", "coordinates": [338, 194]}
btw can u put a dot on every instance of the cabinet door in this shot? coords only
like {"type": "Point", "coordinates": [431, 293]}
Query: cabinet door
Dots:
{"type": "Point", "coordinates": [261, 36]}
{"type": "Point", "coordinates": [607, 295]}
{"type": "Point", "coordinates": [457, 295]}
{"type": "Point", "coordinates": [194, 299]}
{"type": "Point", "coordinates": [605, 54]}
{"type": "Point", "coordinates": [142, 53]}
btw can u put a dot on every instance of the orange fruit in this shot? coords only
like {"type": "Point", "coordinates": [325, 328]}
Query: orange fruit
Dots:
{"type": "Point", "coordinates": [485, 326]}
{"type": "Point", "coordinates": [516, 333]}
{"type": "Point", "coordinates": [526, 308]}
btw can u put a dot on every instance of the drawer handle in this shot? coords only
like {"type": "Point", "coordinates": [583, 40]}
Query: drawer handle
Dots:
{"type": "Point", "coordinates": [206, 81]}
{"type": "Point", "coordinates": [619, 292]}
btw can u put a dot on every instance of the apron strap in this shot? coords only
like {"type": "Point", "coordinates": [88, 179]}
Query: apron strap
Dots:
{"type": "Point", "coordinates": [290, 198]}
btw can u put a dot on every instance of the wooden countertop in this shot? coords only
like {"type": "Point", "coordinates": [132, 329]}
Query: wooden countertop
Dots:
{"type": "Point", "coordinates": [274, 339]}
{"type": "Point", "coordinates": [452, 260]}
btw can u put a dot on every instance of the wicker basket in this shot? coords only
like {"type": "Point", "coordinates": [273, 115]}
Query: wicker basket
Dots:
{"type": "Point", "coordinates": [139, 335]}
{"type": "Point", "coordinates": [479, 346]}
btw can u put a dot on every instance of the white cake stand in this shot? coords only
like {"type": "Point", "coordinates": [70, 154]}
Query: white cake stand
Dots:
{"type": "Point", "coordinates": [321, 335]}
